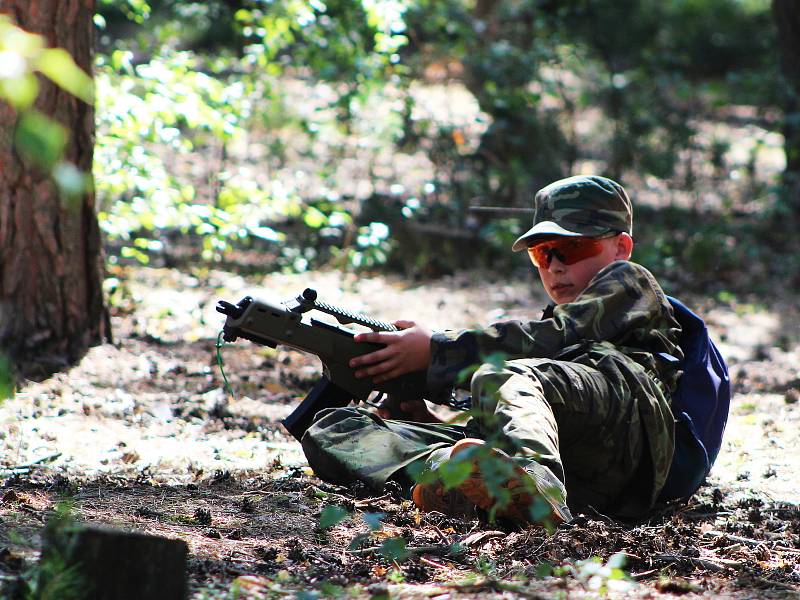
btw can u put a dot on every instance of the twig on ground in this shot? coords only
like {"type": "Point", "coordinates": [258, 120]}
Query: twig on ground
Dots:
{"type": "Point", "coordinates": [370, 502]}
{"type": "Point", "coordinates": [734, 538]}
{"type": "Point", "coordinates": [600, 516]}
{"type": "Point", "coordinates": [430, 563]}
{"type": "Point", "coordinates": [437, 550]}
{"type": "Point", "coordinates": [440, 533]}
{"type": "Point", "coordinates": [476, 539]}
{"type": "Point", "coordinates": [45, 459]}
{"type": "Point", "coordinates": [778, 584]}
{"type": "Point", "coordinates": [28, 467]}
{"type": "Point", "coordinates": [717, 564]}
{"type": "Point", "coordinates": [644, 574]}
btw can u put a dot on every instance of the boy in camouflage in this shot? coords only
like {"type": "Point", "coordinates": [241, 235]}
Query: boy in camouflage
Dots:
{"type": "Point", "coordinates": [578, 410]}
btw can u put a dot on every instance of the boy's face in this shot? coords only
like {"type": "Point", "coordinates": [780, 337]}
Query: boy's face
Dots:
{"type": "Point", "coordinates": [564, 283]}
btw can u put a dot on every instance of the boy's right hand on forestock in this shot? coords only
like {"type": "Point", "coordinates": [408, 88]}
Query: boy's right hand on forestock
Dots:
{"type": "Point", "coordinates": [407, 350]}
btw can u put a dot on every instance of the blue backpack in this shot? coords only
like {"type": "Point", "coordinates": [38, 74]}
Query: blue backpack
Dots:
{"type": "Point", "coordinates": [700, 405]}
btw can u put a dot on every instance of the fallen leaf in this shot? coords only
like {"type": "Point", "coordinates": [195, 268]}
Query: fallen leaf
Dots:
{"type": "Point", "coordinates": [130, 457]}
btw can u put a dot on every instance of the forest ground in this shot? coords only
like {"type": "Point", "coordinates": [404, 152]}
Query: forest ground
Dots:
{"type": "Point", "coordinates": [140, 435]}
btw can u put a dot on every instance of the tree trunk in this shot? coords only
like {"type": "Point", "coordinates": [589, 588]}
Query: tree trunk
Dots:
{"type": "Point", "coordinates": [51, 267]}
{"type": "Point", "coordinates": [787, 19]}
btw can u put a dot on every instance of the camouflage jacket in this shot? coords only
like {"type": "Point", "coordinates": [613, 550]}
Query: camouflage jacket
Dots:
{"type": "Point", "coordinates": [623, 305]}
{"type": "Point", "coordinates": [621, 317]}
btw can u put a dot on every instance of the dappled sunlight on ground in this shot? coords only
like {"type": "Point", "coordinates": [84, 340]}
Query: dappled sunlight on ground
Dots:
{"type": "Point", "coordinates": [141, 433]}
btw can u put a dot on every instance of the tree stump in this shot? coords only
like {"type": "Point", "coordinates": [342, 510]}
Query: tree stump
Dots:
{"type": "Point", "coordinates": [97, 563]}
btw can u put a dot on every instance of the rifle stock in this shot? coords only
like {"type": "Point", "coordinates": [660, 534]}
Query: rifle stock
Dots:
{"type": "Point", "coordinates": [271, 324]}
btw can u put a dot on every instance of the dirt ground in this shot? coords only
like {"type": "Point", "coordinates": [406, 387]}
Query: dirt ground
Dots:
{"type": "Point", "coordinates": [142, 436]}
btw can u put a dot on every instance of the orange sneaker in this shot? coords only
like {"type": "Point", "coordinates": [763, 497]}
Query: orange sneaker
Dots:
{"type": "Point", "coordinates": [525, 489]}
{"type": "Point", "coordinates": [432, 497]}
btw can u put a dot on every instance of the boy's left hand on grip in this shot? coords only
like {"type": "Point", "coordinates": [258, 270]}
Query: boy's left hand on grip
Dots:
{"type": "Point", "coordinates": [406, 410]}
{"type": "Point", "coordinates": [406, 351]}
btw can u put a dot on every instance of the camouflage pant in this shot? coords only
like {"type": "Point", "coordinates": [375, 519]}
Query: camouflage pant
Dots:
{"type": "Point", "coordinates": [572, 419]}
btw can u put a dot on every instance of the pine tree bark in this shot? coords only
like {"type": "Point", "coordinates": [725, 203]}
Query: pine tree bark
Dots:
{"type": "Point", "coordinates": [787, 20]}
{"type": "Point", "coordinates": [51, 267]}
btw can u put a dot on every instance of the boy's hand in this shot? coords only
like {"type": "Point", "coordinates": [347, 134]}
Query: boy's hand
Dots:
{"type": "Point", "coordinates": [409, 410]}
{"type": "Point", "coordinates": [406, 351]}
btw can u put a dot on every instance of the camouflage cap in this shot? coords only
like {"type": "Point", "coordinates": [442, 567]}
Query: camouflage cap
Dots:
{"type": "Point", "coordinates": [585, 205]}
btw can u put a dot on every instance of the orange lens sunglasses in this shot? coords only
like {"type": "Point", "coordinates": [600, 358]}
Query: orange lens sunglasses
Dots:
{"type": "Point", "coordinates": [568, 250]}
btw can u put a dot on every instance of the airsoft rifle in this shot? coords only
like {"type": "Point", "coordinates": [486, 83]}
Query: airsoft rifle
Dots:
{"type": "Point", "coordinates": [286, 324]}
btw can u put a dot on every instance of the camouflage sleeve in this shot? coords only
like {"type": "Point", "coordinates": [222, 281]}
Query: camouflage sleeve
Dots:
{"type": "Point", "coordinates": [623, 304]}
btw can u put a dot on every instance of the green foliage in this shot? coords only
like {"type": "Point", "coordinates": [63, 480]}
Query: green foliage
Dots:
{"type": "Point", "coordinates": [209, 79]}
{"type": "Point", "coordinates": [338, 40]}
{"type": "Point", "coordinates": [485, 566]}
{"type": "Point", "coordinates": [169, 106]}
{"type": "Point", "coordinates": [373, 520]}
{"type": "Point", "coordinates": [6, 378]}
{"type": "Point", "coordinates": [454, 472]}
{"type": "Point", "coordinates": [332, 515]}
{"type": "Point", "coordinates": [396, 576]}
{"type": "Point", "coordinates": [394, 549]}
{"type": "Point", "coordinates": [135, 10]}
{"type": "Point", "coordinates": [40, 140]}
{"type": "Point", "coordinates": [55, 577]}
{"type": "Point", "coordinates": [592, 574]}
{"type": "Point", "coordinates": [23, 56]}
{"type": "Point", "coordinates": [503, 53]}
{"type": "Point", "coordinates": [156, 118]}
{"type": "Point", "coordinates": [601, 577]}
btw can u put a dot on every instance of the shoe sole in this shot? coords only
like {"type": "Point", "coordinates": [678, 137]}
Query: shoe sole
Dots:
{"type": "Point", "coordinates": [521, 498]}
{"type": "Point", "coordinates": [432, 497]}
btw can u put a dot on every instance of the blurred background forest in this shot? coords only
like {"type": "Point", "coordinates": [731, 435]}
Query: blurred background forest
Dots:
{"type": "Point", "coordinates": [357, 134]}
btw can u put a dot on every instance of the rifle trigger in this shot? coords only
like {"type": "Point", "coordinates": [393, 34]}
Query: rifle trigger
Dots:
{"type": "Point", "coordinates": [378, 402]}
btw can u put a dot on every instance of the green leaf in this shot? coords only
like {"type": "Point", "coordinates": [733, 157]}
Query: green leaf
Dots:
{"type": "Point", "coordinates": [57, 65]}
{"type": "Point", "coordinates": [243, 15]}
{"type": "Point", "coordinates": [396, 576]}
{"type": "Point", "coordinates": [359, 541]}
{"type": "Point", "coordinates": [18, 40]}
{"type": "Point", "coordinates": [454, 472]}
{"type": "Point", "coordinates": [332, 515]}
{"type": "Point", "coordinates": [497, 360]}
{"type": "Point", "coordinates": [6, 379]}
{"type": "Point", "coordinates": [394, 549]}
{"type": "Point", "coordinates": [39, 139]}
{"type": "Point", "coordinates": [540, 509]}
{"type": "Point", "coordinates": [542, 570]}
{"type": "Point", "coordinates": [419, 472]}
{"type": "Point", "coordinates": [331, 590]}
{"type": "Point", "coordinates": [314, 218]}
{"type": "Point", "coordinates": [465, 374]}
{"type": "Point", "coordinates": [617, 561]}
{"type": "Point", "coordinates": [20, 92]}
{"type": "Point", "coordinates": [373, 520]}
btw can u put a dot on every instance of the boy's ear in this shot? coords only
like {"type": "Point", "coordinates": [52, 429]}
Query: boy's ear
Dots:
{"type": "Point", "coordinates": [624, 246]}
